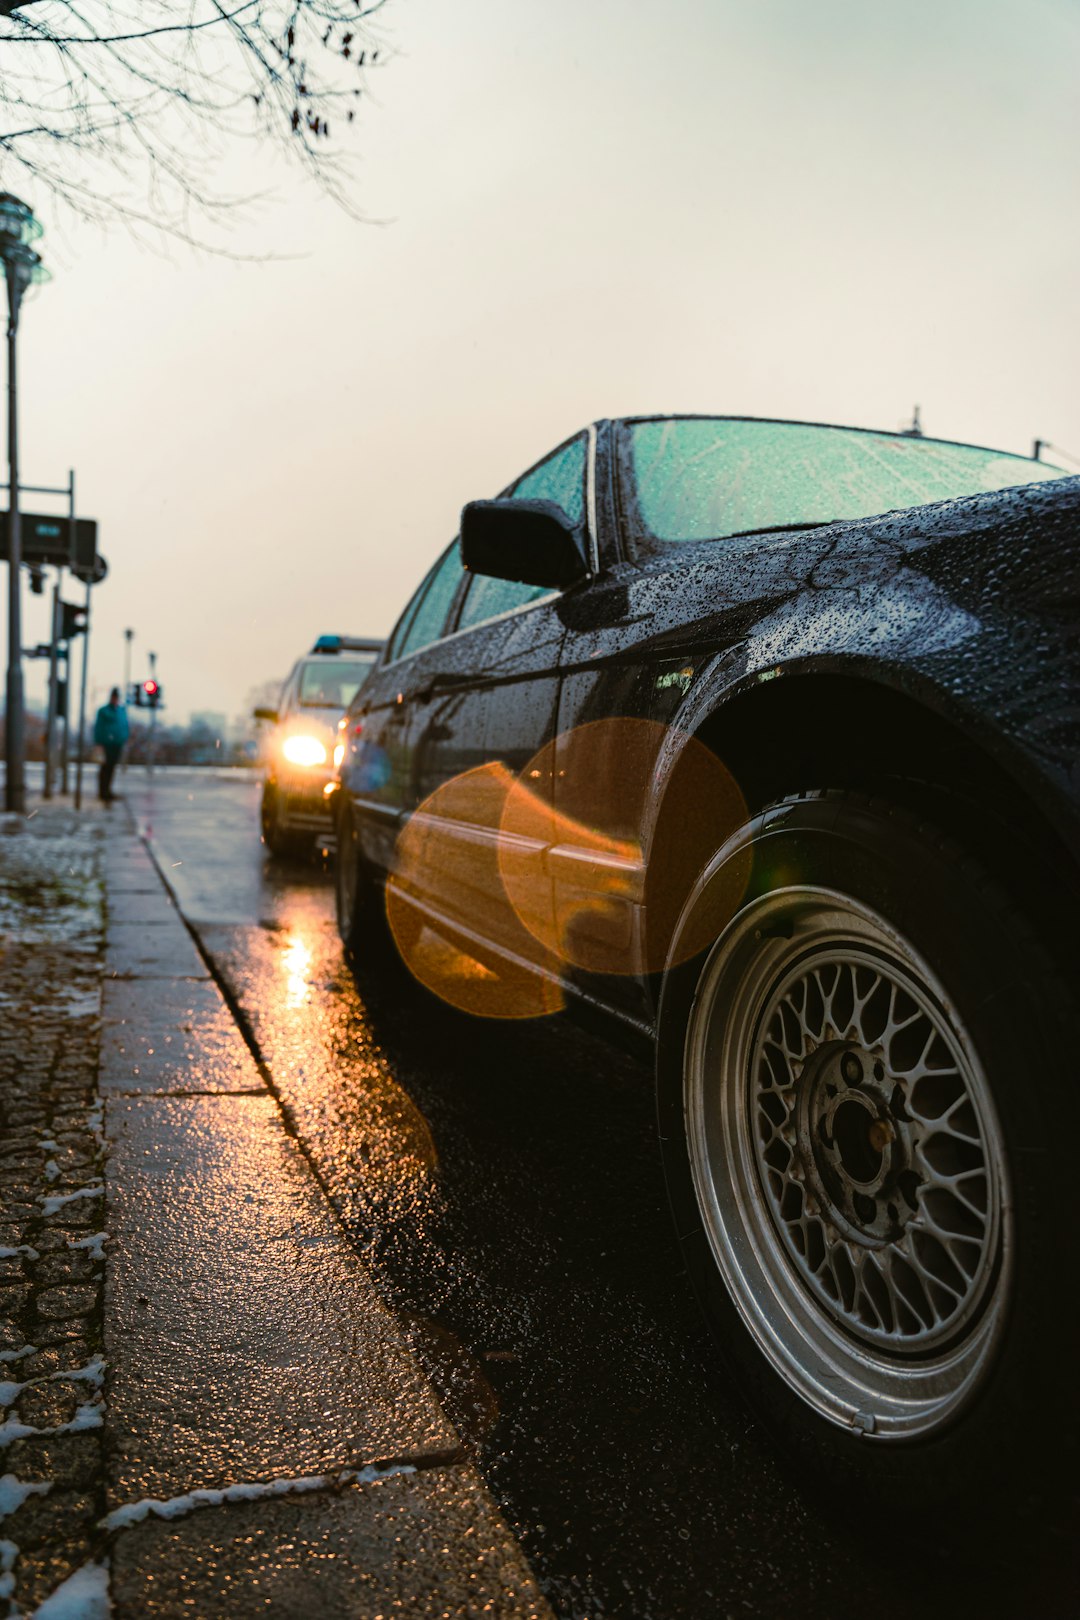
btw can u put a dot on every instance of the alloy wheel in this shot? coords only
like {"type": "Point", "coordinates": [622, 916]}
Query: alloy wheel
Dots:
{"type": "Point", "coordinates": [848, 1162]}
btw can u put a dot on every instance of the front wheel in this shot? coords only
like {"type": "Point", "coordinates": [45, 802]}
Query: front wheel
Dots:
{"type": "Point", "coordinates": [275, 834]}
{"type": "Point", "coordinates": [860, 1084]}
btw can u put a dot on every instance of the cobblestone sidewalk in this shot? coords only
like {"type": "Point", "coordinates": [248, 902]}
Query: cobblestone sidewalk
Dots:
{"type": "Point", "coordinates": [52, 1481]}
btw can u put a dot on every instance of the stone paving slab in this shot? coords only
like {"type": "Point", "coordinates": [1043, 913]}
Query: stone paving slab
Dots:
{"type": "Point", "coordinates": [246, 1341]}
{"type": "Point", "coordinates": [418, 1546]}
{"type": "Point", "coordinates": [152, 951]}
{"type": "Point", "coordinates": [145, 905]}
{"type": "Point", "coordinates": [172, 1035]}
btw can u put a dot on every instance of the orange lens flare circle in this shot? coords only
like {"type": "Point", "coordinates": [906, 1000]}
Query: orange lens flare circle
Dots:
{"type": "Point", "coordinates": [503, 882]}
{"type": "Point", "coordinates": [595, 902]}
{"type": "Point", "coordinates": [446, 868]}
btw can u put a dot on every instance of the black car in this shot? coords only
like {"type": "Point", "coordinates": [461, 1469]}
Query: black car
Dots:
{"type": "Point", "coordinates": [757, 743]}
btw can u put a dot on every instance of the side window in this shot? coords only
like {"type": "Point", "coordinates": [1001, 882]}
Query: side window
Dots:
{"type": "Point", "coordinates": [429, 619]}
{"type": "Point", "coordinates": [288, 691]}
{"type": "Point", "coordinates": [393, 646]}
{"type": "Point", "coordinates": [559, 478]}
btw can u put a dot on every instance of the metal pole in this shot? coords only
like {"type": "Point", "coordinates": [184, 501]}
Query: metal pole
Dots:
{"type": "Point", "coordinates": [54, 659]}
{"type": "Point", "coordinates": [64, 718]}
{"type": "Point", "coordinates": [65, 711]}
{"type": "Point", "coordinates": [129, 636]}
{"type": "Point", "coordinates": [82, 705]}
{"type": "Point", "coordinates": [153, 717]}
{"type": "Point", "coordinates": [15, 727]}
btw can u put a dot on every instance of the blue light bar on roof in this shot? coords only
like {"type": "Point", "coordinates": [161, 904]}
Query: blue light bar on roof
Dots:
{"type": "Point", "coordinates": [327, 644]}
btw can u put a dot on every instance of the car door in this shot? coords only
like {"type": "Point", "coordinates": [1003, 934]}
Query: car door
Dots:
{"type": "Point", "coordinates": [488, 708]}
{"type": "Point", "coordinates": [378, 770]}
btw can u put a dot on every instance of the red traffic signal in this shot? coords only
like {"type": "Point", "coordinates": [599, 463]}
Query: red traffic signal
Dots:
{"type": "Point", "coordinates": [150, 688]}
{"type": "Point", "coordinates": [151, 693]}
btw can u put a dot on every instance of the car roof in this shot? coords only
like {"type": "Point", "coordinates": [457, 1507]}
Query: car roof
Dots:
{"type": "Point", "coordinates": [840, 427]}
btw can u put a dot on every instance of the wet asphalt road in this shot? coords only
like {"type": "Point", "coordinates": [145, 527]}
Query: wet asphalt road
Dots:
{"type": "Point", "coordinates": [503, 1184]}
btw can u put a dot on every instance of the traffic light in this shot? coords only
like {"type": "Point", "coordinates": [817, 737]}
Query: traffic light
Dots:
{"type": "Point", "coordinates": [135, 694]}
{"type": "Point", "coordinates": [73, 622]}
{"type": "Point", "coordinates": [151, 693]}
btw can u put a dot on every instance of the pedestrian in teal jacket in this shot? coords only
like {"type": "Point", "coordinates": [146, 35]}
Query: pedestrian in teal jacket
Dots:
{"type": "Point", "coordinates": [111, 731]}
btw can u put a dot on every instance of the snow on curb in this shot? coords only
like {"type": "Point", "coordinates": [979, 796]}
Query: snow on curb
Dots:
{"type": "Point", "coordinates": [122, 1518]}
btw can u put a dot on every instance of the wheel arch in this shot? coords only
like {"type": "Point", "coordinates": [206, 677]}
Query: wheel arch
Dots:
{"type": "Point", "coordinates": [884, 740]}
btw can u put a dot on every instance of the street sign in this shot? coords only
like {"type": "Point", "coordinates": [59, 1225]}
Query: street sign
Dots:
{"type": "Point", "coordinates": [86, 564]}
{"type": "Point", "coordinates": [94, 576]}
{"type": "Point", "coordinates": [46, 541]}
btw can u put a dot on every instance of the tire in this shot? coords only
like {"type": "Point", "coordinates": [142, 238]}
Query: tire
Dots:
{"type": "Point", "coordinates": [862, 1087]}
{"type": "Point", "coordinates": [278, 840]}
{"type": "Point", "coordinates": [358, 901]}
{"type": "Point", "coordinates": [351, 897]}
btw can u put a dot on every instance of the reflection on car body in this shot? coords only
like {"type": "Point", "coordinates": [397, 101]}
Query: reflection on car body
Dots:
{"type": "Point", "coordinates": [756, 741]}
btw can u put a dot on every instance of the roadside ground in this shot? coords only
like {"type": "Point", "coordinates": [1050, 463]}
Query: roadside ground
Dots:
{"type": "Point", "coordinates": [205, 1407]}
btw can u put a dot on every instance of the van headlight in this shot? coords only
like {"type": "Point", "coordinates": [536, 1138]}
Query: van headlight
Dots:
{"type": "Point", "coordinates": [304, 751]}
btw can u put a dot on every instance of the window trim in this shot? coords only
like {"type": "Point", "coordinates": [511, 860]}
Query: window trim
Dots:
{"type": "Point", "coordinates": [452, 625]}
{"type": "Point", "coordinates": [589, 519]}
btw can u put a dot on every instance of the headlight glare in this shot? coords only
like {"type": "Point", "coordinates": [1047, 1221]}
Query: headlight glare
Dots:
{"type": "Point", "coordinates": [304, 751]}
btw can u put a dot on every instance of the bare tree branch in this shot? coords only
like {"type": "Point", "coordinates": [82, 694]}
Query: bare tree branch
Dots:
{"type": "Point", "coordinates": [128, 110]}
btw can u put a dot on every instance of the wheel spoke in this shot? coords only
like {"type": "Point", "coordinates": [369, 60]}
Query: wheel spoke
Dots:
{"type": "Point", "coordinates": [881, 1202]}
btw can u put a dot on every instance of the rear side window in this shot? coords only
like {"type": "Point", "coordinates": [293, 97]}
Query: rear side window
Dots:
{"type": "Point", "coordinates": [429, 617]}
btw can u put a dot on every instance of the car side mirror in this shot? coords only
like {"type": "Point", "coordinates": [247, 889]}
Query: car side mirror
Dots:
{"type": "Point", "coordinates": [266, 714]}
{"type": "Point", "coordinates": [533, 542]}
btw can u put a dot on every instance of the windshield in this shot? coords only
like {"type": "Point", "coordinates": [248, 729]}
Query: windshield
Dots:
{"type": "Point", "coordinates": [333, 683]}
{"type": "Point", "coordinates": [695, 478]}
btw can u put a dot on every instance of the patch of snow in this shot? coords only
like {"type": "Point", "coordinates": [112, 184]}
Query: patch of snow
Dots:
{"type": "Point", "coordinates": [88, 1416]}
{"type": "Point", "coordinates": [14, 1492]}
{"type": "Point", "coordinates": [47, 1145]}
{"type": "Point", "coordinates": [94, 1243]}
{"type": "Point", "coordinates": [83, 1596]}
{"type": "Point", "coordinates": [58, 1200]}
{"type": "Point", "coordinates": [52, 1169]}
{"type": "Point", "coordinates": [17, 1355]}
{"type": "Point", "coordinates": [8, 1554]}
{"type": "Point", "coordinates": [7, 1253]}
{"type": "Point", "coordinates": [176, 1507]}
{"type": "Point", "coordinates": [92, 1373]}
{"type": "Point", "coordinates": [14, 1430]}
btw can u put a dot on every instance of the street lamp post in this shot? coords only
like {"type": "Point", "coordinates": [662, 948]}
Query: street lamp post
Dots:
{"type": "Point", "coordinates": [22, 265]}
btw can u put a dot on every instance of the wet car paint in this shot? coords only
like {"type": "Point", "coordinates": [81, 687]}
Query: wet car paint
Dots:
{"type": "Point", "coordinates": [955, 619]}
{"type": "Point", "coordinates": [503, 1184]}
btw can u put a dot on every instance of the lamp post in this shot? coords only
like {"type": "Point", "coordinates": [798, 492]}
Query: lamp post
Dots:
{"type": "Point", "coordinates": [22, 266]}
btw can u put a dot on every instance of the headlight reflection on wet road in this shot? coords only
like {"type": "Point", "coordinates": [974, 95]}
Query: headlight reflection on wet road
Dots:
{"type": "Point", "coordinates": [296, 964]}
